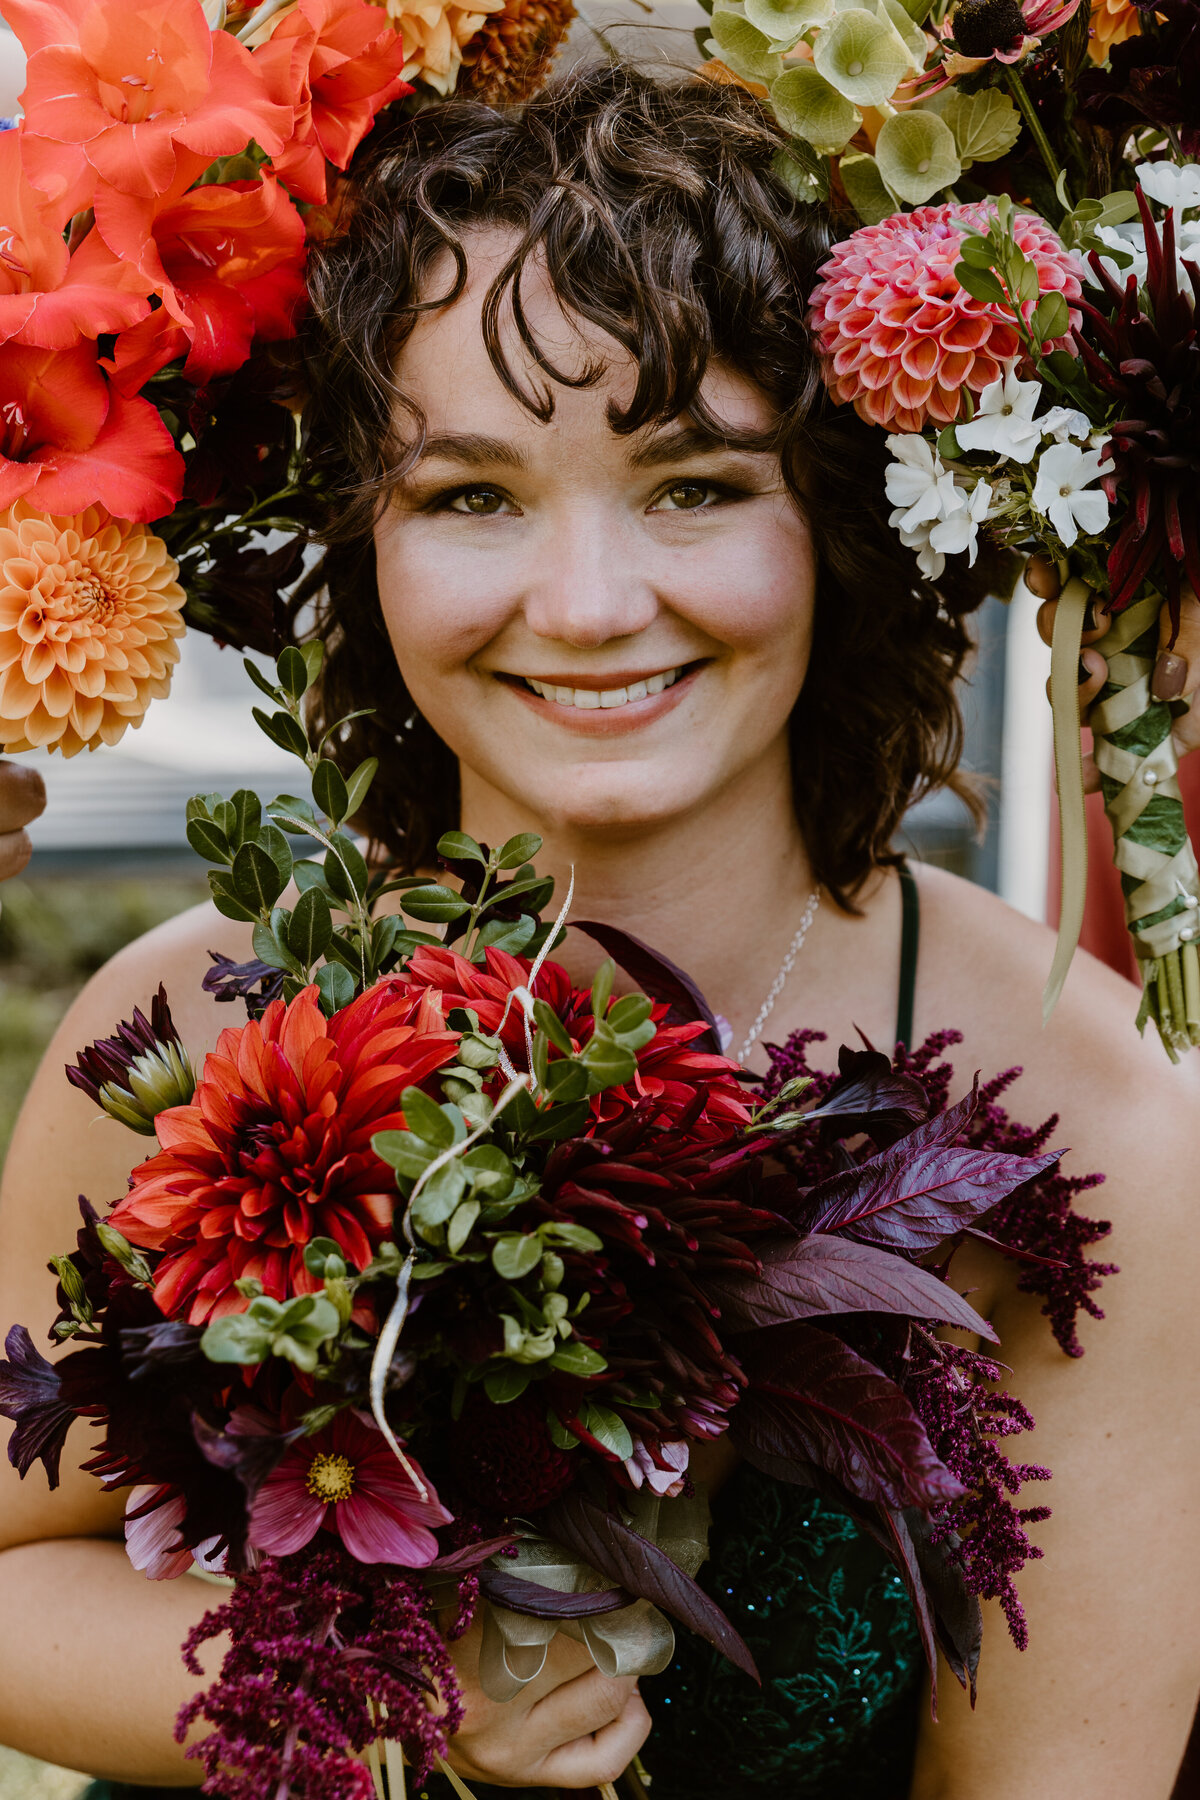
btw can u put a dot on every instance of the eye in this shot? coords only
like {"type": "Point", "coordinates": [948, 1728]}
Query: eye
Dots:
{"type": "Point", "coordinates": [479, 502]}
{"type": "Point", "coordinates": [686, 496]}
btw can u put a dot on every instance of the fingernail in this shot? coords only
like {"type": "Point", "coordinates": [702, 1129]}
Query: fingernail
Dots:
{"type": "Point", "coordinates": [1170, 676]}
{"type": "Point", "coordinates": [1089, 616]}
{"type": "Point", "coordinates": [1085, 674]}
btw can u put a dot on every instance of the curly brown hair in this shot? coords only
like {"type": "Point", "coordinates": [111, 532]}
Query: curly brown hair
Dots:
{"type": "Point", "coordinates": [656, 205]}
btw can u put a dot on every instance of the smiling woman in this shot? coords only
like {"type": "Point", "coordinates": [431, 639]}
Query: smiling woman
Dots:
{"type": "Point", "coordinates": [603, 562]}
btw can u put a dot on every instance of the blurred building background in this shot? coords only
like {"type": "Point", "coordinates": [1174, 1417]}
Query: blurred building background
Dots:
{"type": "Point", "coordinates": [111, 857]}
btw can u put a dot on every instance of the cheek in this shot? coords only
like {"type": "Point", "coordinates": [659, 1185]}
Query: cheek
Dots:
{"type": "Point", "coordinates": [755, 594]}
{"type": "Point", "coordinates": [436, 607]}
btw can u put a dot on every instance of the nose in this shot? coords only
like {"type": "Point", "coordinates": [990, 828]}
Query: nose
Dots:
{"type": "Point", "coordinates": [591, 585]}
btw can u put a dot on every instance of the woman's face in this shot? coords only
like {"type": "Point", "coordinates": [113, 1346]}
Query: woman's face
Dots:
{"type": "Point", "coordinates": [609, 632]}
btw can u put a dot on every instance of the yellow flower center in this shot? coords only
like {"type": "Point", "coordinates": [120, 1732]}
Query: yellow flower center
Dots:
{"type": "Point", "coordinates": [330, 1477]}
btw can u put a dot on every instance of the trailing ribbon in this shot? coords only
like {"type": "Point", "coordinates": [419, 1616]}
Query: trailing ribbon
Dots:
{"type": "Point", "coordinates": [1068, 774]}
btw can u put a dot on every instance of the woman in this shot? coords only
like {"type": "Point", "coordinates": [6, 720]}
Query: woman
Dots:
{"type": "Point", "coordinates": [605, 568]}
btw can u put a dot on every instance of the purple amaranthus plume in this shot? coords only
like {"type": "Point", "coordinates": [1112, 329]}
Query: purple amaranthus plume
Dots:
{"type": "Point", "coordinates": [323, 1648]}
{"type": "Point", "coordinates": [950, 1388]}
{"type": "Point", "coordinates": [138, 1072]}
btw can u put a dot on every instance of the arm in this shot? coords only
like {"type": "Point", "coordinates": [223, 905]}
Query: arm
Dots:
{"type": "Point", "coordinates": [94, 1677]}
{"type": "Point", "coordinates": [1099, 1707]}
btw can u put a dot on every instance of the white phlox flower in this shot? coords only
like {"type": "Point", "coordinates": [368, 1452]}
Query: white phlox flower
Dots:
{"type": "Point", "coordinates": [1132, 240]}
{"type": "Point", "coordinates": [930, 561]}
{"type": "Point", "coordinates": [1170, 185]}
{"type": "Point", "coordinates": [1063, 492]}
{"type": "Point", "coordinates": [918, 484]}
{"type": "Point", "coordinates": [1064, 422]}
{"type": "Point", "coordinates": [1004, 423]}
{"type": "Point", "coordinates": [950, 537]}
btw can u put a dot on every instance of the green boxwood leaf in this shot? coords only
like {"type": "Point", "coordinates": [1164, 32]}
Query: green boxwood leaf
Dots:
{"type": "Point", "coordinates": [256, 879]}
{"type": "Point", "coordinates": [577, 1358]}
{"type": "Point", "coordinates": [310, 928]}
{"type": "Point", "coordinates": [269, 949]}
{"type": "Point", "coordinates": [434, 904]}
{"type": "Point", "coordinates": [329, 790]}
{"type": "Point", "coordinates": [403, 1151]}
{"type": "Point", "coordinates": [566, 1081]}
{"type": "Point", "coordinates": [429, 1120]}
{"type": "Point", "coordinates": [516, 1254]}
{"type": "Point", "coordinates": [440, 1196]}
{"type": "Point", "coordinates": [461, 1225]}
{"type": "Point", "coordinates": [514, 936]}
{"type": "Point", "coordinates": [345, 870]}
{"type": "Point", "coordinates": [358, 785]}
{"type": "Point", "coordinates": [283, 730]}
{"type": "Point", "coordinates": [549, 1022]}
{"type": "Point", "coordinates": [272, 840]}
{"type": "Point", "coordinates": [314, 658]}
{"type": "Point", "coordinates": [260, 681]}
{"type": "Point", "coordinates": [518, 850]}
{"type": "Point", "coordinates": [506, 1383]}
{"type": "Point", "coordinates": [608, 1428]}
{"type": "Point", "coordinates": [247, 817]}
{"type": "Point", "coordinates": [226, 900]}
{"type": "Point", "coordinates": [981, 284]}
{"type": "Point", "coordinates": [489, 1170]}
{"type": "Point", "coordinates": [292, 672]}
{"type": "Point", "coordinates": [570, 1236]}
{"type": "Point", "coordinates": [208, 841]}
{"type": "Point", "coordinates": [456, 846]}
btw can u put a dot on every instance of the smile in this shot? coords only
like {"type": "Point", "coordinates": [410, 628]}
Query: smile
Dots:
{"type": "Point", "coordinates": [591, 699]}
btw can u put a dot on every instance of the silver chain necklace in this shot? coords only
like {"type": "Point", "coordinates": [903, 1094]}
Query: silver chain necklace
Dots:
{"type": "Point", "coordinates": [785, 969]}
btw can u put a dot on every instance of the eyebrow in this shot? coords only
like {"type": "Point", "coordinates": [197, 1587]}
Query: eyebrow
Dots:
{"type": "Point", "coordinates": [682, 441]}
{"type": "Point", "coordinates": [473, 450]}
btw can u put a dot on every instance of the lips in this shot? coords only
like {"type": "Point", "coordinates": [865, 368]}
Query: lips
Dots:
{"type": "Point", "coordinates": [592, 699]}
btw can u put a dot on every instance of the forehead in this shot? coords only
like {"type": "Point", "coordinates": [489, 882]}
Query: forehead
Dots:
{"type": "Point", "coordinates": [445, 367]}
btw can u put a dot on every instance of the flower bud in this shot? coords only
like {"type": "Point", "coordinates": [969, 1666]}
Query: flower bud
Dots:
{"type": "Point", "coordinates": [124, 1254]}
{"type": "Point", "coordinates": [139, 1072]}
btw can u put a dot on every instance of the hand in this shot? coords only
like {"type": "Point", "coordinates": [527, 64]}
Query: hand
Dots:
{"type": "Point", "coordinates": [571, 1727]}
{"type": "Point", "coordinates": [1176, 674]}
{"type": "Point", "coordinates": [22, 798]}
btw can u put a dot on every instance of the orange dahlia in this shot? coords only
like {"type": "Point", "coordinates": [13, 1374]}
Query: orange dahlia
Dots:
{"type": "Point", "coordinates": [90, 615]}
{"type": "Point", "coordinates": [275, 1149]}
{"type": "Point", "coordinates": [900, 340]}
{"type": "Point", "coordinates": [1112, 22]}
{"type": "Point", "coordinates": [508, 59]}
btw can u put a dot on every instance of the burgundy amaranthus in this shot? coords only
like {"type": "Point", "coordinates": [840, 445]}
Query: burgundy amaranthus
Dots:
{"type": "Point", "coordinates": [951, 1388]}
{"type": "Point", "coordinates": [321, 1646]}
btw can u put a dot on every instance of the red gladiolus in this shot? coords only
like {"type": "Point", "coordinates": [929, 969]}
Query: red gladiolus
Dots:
{"type": "Point", "coordinates": [338, 67]}
{"type": "Point", "coordinates": [228, 262]}
{"type": "Point", "coordinates": [48, 296]}
{"type": "Point", "coordinates": [275, 1150]}
{"type": "Point", "coordinates": [346, 1479]}
{"type": "Point", "coordinates": [114, 92]}
{"type": "Point", "coordinates": [68, 440]}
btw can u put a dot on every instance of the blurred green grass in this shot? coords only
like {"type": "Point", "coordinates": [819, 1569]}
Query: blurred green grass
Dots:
{"type": "Point", "coordinates": [55, 931]}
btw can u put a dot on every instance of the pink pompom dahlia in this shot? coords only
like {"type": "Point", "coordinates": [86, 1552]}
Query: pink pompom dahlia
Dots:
{"type": "Point", "coordinates": [899, 338]}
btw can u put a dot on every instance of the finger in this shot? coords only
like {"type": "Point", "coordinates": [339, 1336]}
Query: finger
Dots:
{"type": "Point", "coordinates": [575, 1708]}
{"type": "Point", "coordinates": [1091, 776]}
{"type": "Point", "coordinates": [602, 1757]}
{"type": "Point", "coordinates": [1093, 673]}
{"type": "Point", "coordinates": [1177, 671]}
{"type": "Point", "coordinates": [1095, 623]}
{"type": "Point", "coordinates": [15, 851]}
{"type": "Point", "coordinates": [22, 795]}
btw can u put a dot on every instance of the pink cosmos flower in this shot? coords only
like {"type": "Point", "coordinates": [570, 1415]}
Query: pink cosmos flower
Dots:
{"type": "Point", "coordinates": [663, 1468]}
{"type": "Point", "coordinates": [347, 1480]}
{"type": "Point", "coordinates": [899, 338]}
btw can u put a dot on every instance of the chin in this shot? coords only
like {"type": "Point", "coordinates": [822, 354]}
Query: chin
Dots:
{"type": "Point", "coordinates": [590, 801]}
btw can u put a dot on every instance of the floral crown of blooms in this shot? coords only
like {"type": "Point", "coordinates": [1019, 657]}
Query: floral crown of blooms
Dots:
{"type": "Point", "coordinates": [1018, 309]}
{"type": "Point", "coordinates": [171, 165]}
{"type": "Point", "coordinates": [441, 1266]}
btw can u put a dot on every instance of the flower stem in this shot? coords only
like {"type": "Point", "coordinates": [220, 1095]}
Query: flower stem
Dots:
{"type": "Point", "coordinates": [1020, 94]}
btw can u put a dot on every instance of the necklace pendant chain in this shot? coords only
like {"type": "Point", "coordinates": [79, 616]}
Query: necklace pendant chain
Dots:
{"type": "Point", "coordinates": [785, 969]}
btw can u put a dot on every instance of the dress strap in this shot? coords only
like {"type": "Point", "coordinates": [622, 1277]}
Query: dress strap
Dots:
{"type": "Point", "coordinates": [910, 940]}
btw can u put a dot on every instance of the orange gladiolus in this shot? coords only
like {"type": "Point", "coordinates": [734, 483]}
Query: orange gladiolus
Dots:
{"type": "Point", "coordinates": [114, 92]}
{"type": "Point", "coordinates": [275, 1150]}
{"type": "Point", "coordinates": [69, 440]}
{"type": "Point", "coordinates": [339, 65]}
{"type": "Point", "coordinates": [228, 262]}
{"type": "Point", "coordinates": [49, 296]}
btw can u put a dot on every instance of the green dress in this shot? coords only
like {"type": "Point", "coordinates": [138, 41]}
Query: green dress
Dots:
{"type": "Point", "coordinates": [827, 1619]}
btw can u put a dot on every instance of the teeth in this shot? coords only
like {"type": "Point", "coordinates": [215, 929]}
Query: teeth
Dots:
{"type": "Point", "coordinates": [590, 699]}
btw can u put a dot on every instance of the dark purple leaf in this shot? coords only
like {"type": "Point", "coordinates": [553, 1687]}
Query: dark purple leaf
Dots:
{"type": "Point", "coordinates": [657, 977]}
{"type": "Point", "coordinates": [145, 1348]}
{"type": "Point", "coordinates": [250, 1455]}
{"type": "Point", "coordinates": [871, 1096]}
{"type": "Point", "coordinates": [31, 1395]}
{"type": "Point", "coordinates": [957, 1615]}
{"type": "Point", "coordinates": [462, 1562]}
{"type": "Point", "coordinates": [539, 1602]}
{"type": "Point", "coordinates": [924, 1188]}
{"type": "Point", "coordinates": [632, 1562]}
{"type": "Point", "coordinates": [813, 1399]}
{"type": "Point", "coordinates": [1016, 1251]}
{"type": "Point", "coordinates": [828, 1274]}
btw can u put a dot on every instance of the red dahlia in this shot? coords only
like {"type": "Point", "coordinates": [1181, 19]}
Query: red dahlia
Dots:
{"type": "Point", "coordinates": [275, 1150]}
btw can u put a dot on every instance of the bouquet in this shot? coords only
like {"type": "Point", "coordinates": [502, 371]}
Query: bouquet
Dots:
{"type": "Point", "coordinates": [1018, 311]}
{"type": "Point", "coordinates": [441, 1268]}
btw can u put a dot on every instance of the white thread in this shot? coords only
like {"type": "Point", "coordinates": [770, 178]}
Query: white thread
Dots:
{"type": "Point", "coordinates": [785, 969]}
